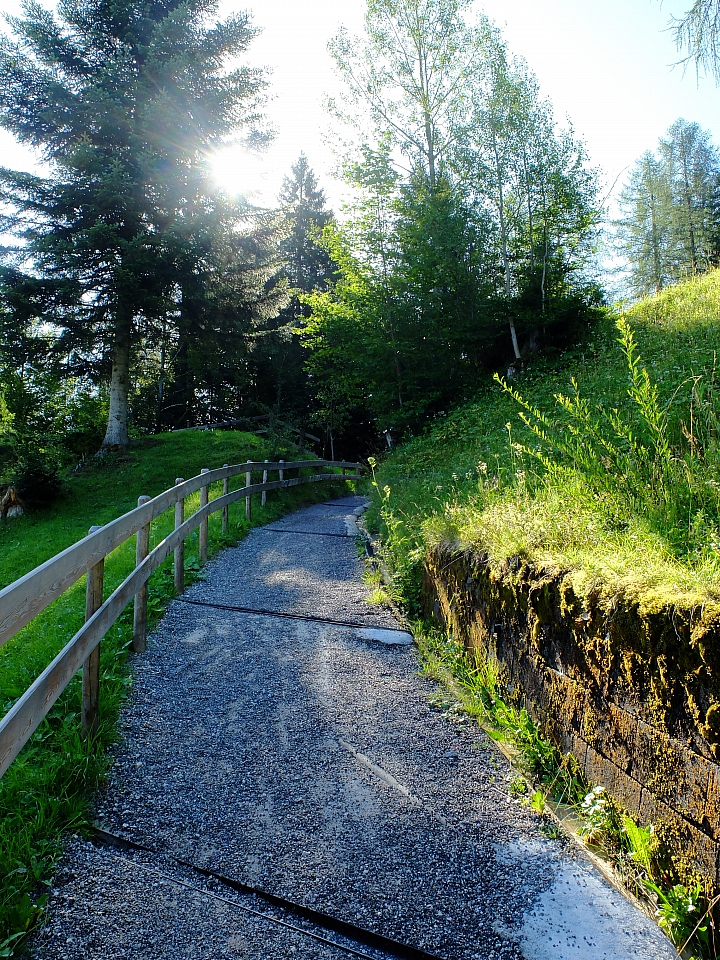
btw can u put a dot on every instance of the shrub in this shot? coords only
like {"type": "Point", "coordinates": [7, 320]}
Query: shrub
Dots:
{"type": "Point", "coordinates": [35, 476]}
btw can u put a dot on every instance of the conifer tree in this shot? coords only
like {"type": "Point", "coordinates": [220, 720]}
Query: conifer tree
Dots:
{"type": "Point", "coordinates": [307, 266]}
{"type": "Point", "coordinates": [669, 224]}
{"type": "Point", "coordinates": [123, 100]}
{"type": "Point", "coordinates": [646, 225]}
{"type": "Point", "coordinates": [698, 32]}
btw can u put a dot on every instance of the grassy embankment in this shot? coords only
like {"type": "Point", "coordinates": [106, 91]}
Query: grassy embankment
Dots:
{"type": "Point", "coordinates": [621, 489]}
{"type": "Point", "coordinates": [604, 462]}
{"type": "Point", "coordinates": [47, 789]}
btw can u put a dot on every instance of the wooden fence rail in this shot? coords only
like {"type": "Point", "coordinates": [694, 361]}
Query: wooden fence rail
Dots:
{"type": "Point", "coordinates": [24, 599]}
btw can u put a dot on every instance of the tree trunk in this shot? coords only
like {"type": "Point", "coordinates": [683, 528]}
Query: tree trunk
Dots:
{"type": "Point", "coordinates": [655, 246]}
{"type": "Point", "coordinates": [117, 428]}
{"type": "Point", "coordinates": [545, 245]}
{"type": "Point", "coordinates": [529, 207]}
{"type": "Point", "coordinates": [503, 237]}
{"type": "Point", "coordinates": [161, 383]}
{"type": "Point", "coordinates": [688, 207]}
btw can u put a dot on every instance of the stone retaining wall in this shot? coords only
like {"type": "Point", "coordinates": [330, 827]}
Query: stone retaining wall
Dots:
{"type": "Point", "coordinates": [629, 685]}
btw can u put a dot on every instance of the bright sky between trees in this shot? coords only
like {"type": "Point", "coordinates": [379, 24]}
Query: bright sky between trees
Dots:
{"type": "Point", "coordinates": [608, 67]}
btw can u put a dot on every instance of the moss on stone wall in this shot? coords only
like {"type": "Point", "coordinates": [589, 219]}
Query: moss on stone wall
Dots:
{"type": "Point", "coordinates": [629, 683]}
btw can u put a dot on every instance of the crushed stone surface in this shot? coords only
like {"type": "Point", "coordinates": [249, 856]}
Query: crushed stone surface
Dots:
{"type": "Point", "coordinates": [313, 762]}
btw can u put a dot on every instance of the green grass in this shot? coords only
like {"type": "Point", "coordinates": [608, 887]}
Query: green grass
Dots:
{"type": "Point", "coordinates": [47, 790]}
{"type": "Point", "coordinates": [603, 462]}
{"type": "Point", "coordinates": [622, 490]}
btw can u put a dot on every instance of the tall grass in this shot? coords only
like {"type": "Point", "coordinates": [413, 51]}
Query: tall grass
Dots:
{"type": "Point", "coordinates": [625, 454]}
{"type": "Point", "coordinates": [590, 460]}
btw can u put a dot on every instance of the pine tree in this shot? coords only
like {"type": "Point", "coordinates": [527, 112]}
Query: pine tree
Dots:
{"type": "Point", "coordinates": [698, 32]}
{"type": "Point", "coordinates": [307, 266]}
{"type": "Point", "coordinates": [691, 165]}
{"type": "Point", "coordinates": [646, 226]}
{"type": "Point", "coordinates": [123, 99]}
{"type": "Point", "coordinates": [670, 204]}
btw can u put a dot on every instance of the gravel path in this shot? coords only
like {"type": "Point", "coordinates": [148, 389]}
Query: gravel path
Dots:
{"type": "Point", "coordinates": [298, 758]}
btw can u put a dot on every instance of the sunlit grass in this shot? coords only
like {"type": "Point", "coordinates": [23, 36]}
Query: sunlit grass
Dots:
{"type": "Point", "coordinates": [475, 478]}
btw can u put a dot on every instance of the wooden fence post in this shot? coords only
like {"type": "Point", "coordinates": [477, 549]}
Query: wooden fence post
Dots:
{"type": "Point", "coordinates": [226, 508]}
{"type": "Point", "coordinates": [179, 560]}
{"type": "Point", "coordinates": [343, 468]}
{"type": "Point", "coordinates": [281, 471]}
{"type": "Point", "coordinates": [91, 667]}
{"type": "Point", "coordinates": [248, 504]}
{"type": "Point", "coordinates": [203, 531]}
{"type": "Point", "coordinates": [263, 498]}
{"type": "Point", "coordinates": [142, 546]}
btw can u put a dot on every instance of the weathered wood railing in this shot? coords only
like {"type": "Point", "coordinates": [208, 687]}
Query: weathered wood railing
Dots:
{"type": "Point", "coordinates": [27, 597]}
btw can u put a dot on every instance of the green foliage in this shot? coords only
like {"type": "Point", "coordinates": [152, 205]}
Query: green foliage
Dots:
{"type": "Point", "coordinates": [616, 457]}
{"type": "Point", "coordinates": [640, 840]}
{"type": "Point", "coordinates": [670, 227]}
{"type": "Point", "coordinates": [125, 234]}
{"type": "Point", "coordinates": [35, 477]}
{"type": "Point", "coordinates": [681, 915]}
{"type": "Point", "coordinates": [48, 789]}
{"type": "Point", "coordinates": [478, 249]}
{"type": "Point", "coordinates": [627, 454]}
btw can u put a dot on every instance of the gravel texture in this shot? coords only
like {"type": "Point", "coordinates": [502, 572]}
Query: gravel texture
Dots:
{"type": "Point", "coordinates": [302, 759]}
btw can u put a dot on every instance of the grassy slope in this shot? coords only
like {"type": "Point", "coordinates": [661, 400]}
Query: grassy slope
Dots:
{"type": "Point", "coordinates": [45, 791]}
{"type": "Point", "coordinates": [466, 481]}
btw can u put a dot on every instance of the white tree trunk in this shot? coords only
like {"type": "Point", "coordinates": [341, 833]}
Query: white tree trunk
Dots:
{"type": "Point", "coordinates": [117, 428]}
{"type": "Point", "coordinates": [503, 236]}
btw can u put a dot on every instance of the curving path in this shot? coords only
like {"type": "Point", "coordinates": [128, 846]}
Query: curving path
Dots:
{"type": "Point", "coordinates": [279, 774]}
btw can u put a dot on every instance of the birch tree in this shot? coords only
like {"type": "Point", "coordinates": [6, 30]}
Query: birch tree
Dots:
{"type": "Point", "coordinates": [533, 178]}
{"type": "Point", "coordinates": [405, 74]}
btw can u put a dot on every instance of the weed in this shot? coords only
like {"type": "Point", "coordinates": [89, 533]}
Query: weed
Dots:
{"type": "Point", "coordinates": [551, 830]}
{"type": "Point", "coordinates": [596, 817]}
{"type": "Point", "coordinates": [640, 840]}
{"type": "Point", "coordinates": [378, 597]}
{"type": "Point", "coordinates": [372, 575]}
{"type": "Point", "coordinates": [678, 912]}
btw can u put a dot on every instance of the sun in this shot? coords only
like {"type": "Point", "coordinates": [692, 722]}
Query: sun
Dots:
{"type": "Point", "coordinates": [238, 172]}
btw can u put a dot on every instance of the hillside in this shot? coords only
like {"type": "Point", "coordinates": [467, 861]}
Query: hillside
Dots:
{"type": "Point", "coordinates": [617, 488]}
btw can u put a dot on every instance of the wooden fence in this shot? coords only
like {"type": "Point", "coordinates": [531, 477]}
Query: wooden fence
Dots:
{"type": "Point", "coordinates": [24, 599]}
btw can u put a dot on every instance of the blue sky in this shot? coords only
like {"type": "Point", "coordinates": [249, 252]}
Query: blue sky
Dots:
{"type": "Point", "coordinates": [607, 66]}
